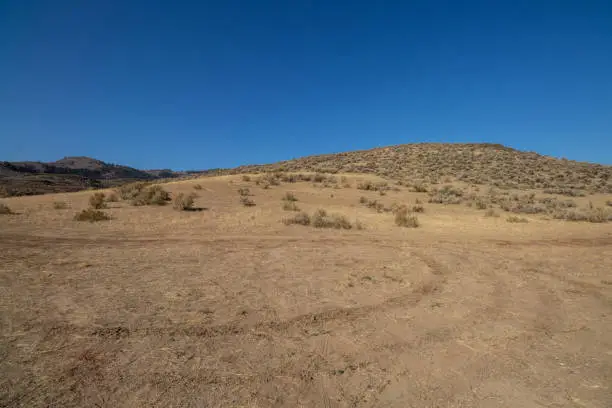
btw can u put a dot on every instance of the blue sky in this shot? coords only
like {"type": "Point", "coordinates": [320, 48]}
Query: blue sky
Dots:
{"type": "Point", "coordinates": [199, 84]}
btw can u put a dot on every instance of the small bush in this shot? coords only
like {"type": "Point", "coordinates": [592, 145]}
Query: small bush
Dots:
{"type": "Point", "coordinates": [130, 191]}
{"type": "Point", "coordinates": [112, 197]}
{"type": "Point", "coordinates": [96, 201]}
{"type": "Point", "coordinates": [363, 200]}
{"type": "Point", "coordinates": [418, 208]}
{"type": "Point", "coordinates": [481, 204]}
{"type": "Point", "coordinates": [60, 205]}
{"type": "Point", "coordinates": [299, 219]}
{"type": "Point", "coordinates": [183, 202]}
{"type": "Point", "coordinates": [419, 188]}
{"type": "Point", "coordinates": [319, 178]}
{"type": "Point", "coordinates": [153, 195]}
{"type": "Point", "coordinates": [515, 219]}
{"type": "Point", "coordinates": [246, 178]}
{"type": "Point", "coordinates": [321, 219]}
{"type": "Point", "coordinates": [405, 219]}
{"type": "Point", "coordinates": [290, 197]}
{"type": "Point", "coordinates": [570, 192]}
{"type": "Point", "coordinates": [4, 209]}
{"type": "Point", "coordinates": [609, 203]}
{"type": "Point", "coordinates": [246, 201]}
{"type": "Point", "coordinates": [290, 206]}
{"type": "Point", "coordinates": [244, 192]}
{"type": "Point", "coordinates": [491, 213]}
{"type": "Point", "coordinates": [91, 215]}
{"type": "Point", "coordinates": [197, 187]}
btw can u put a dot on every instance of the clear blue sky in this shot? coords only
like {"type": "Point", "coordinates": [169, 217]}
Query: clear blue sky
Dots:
{"type": "Point", "coordinates": [201, 84]}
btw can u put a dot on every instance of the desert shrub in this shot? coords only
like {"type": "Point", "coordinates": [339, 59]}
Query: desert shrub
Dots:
{"type": "Point", "coordinates": [481, 204]}
{"type": "Point", "coordinates": [289, 197]}
{"type": "Point", "coordinates": [446, 195]}
{"type": "Point", "coordinates": [290, 206]}
{"type": "Point", "coordinates": [299, 219]}
{"type": "Point", "coordinates": [418, 208]}
{"type": "Point", "coordinates": [419, 188]}
{"type": "Point", "coordinates": [246, 201]}
{"type": "Point", "coordinates": [289, 178]}
{"type": "Point", "coordinates": [198, 187]}
{"type": "Point", "coordinates": [153, 195]}
{"type": "Point", "coordinates": [5, 209]}
{"type": "Point", "coordinates": [595, 215]}
{"type": "Point", "coordinates": [112, 197]}
{"type": "Point", "coordinates": [183, 202]}
{"type": "Point", "coordinates": [491, 213]}
{"type": "Point", "coordinates": [609, 203]}
{"type": "Point", "coordinates": [321, 219]}
{"type": "Point", "coordinates": [96, 201]}
{"type": "Point", "coordinates": [403, 218]}
{"type": "Point", "coordinates": [570, 192]}
{"type": "Point", "coordinates": [246, 177]}
{"type": "Point", "coordinates": [244, 192]}
{"type": "Point", "coordinates": [363, 200]}
{"type": "Point", "coordinates": [129, 191]}
{"type": "Point", "coordinates": [516, 219]}
{"type": "Point", "coordinates": [319, 178]}
{"type": "Point", "coordinates": [91, 215]}
{"type": "Point", "coordinates": [60, 205]}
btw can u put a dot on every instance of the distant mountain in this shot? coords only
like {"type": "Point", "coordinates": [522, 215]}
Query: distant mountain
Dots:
{"type": "Point", "coordinates": [69, 174]}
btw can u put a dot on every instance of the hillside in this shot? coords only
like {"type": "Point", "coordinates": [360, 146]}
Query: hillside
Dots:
{"type": "Point", "coordinates": [484, 163]}
{"type": "Point", "coordinates": [67, 175]}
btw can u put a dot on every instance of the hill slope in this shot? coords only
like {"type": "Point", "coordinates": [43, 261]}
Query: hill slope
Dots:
{"type": "Point", "coordinates": [68, 174]}
{"type": "Point", "coordinates": [474, 163]}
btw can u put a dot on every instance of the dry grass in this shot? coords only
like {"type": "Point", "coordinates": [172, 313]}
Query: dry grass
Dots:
{"type": "Point", "coordinates": [516, 219]}
{"type": "Point", "coordinates": [321, 219]}
{"type": "Point", "coordinates": [197, 187]}
{"type": "Point", "coordinates": [229, 307]}
{"type": "Point", "coordinates": [112, 197]}
{"type": "Point", "coordinates": [246, 201]}
{"type": "Point", "coordinates": [97, 201]}
{"type": "Point", "coordinates": [183, 202]}
{"type": "Point", "coordinates": [289, 196]}
{"type": "Point", "coordinates": [60, 205]}
{"type": "Point", "coordinates": [151, 195]}
{"type": "Point", "coordinates": [290, 206]}
{"type": "Point", "coordinates": [5, 209]}
{"type": "Point", "coordinates": [91, 215]}
{"type": "Point", "coordinates": [403, 218]}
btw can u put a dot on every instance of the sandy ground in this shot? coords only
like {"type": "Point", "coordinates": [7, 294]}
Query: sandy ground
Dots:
{"type": "Point", "coordinates": [229, 307]}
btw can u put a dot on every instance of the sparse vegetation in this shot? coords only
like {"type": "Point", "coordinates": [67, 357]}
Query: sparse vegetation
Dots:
{"type": "Point", "coordinates": [491, 213]}
{"type": "Point", "coordinates": [91, 215]}
{"type": "Point", "coordinates": [446, 195]}
{"type": "Point", "coordinates": [152, 195]}
{"type": "Point", "coordinates": [246, 201]}
{"type": "Point", "coordinates": [198, 187]}
{"type": "Point", "coordinates": [97, 201]}
{"type": "Point", "coordinates": [516, 219]}
{"type": "Point", "coordinates": [60, 205]}
{"type": "Point", "coordinates": [403, 218]}
{"type": "Point", "coordinates": [246, 177]}
{"type": "Point", "coordinates": [289, 196]}
{"type": "Point", "coordinates": [184, 202]}
{"type": "Point", "coordinates": [5, 209]}
{"type": "Point", "coordinates": [299, 219]}
{"type": "Point", "coordinates": [244, 192]}
{"type": "Point", "coordinates": [290, 206]}
{"type": "Point", "coordinates": [321, 219]}
{"type": "Point", "coordinates": [609, 203]}
{"type": "Point", "coordinates": [130, 191]}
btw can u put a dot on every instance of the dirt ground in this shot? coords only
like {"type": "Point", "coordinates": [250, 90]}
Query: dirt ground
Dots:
{"type": "Point", "coordinates": [229, 307]}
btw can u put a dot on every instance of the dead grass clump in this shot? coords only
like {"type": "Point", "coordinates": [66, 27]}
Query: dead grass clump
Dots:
{"type": "Point", "coordinates": [491, 213]}
{"type": "Point", "coordinates": [244, 192]}
{"type": "Point", "coordinates": [198, 187]}
{"type": "Point", "coordinates": [183, 202]}
{"type": "Point", "coordinates": [289, 196]}
{"type": "Point", "coordinates": [419, 188]}
{"type": "Point", "coordinates": [373, 204]}
{"type": "Point", "coordinates": [60, 205]}
{"type": "Point", "coordinates": [446, 195]}
{"type": "Point", "coordinates": [5, 209]}
{"type": "Point", "coordinates": [609, 203]}
{"type": "Point", "coordinates": [570, 192]}
{"type": "Point", "coordinates": [595, 215]}
{"type": "Point", "coordinates": [112, 197]}
{"type": "Point", "coordinates": [516, 219]}
{"type": "Point", "coordinates": [321, 219]}
{"type": "Point", "coordinates": [403, 218]}
{"type": "Point", "coordinates": [130, 191]}
{"type": "Point", "coordinates": [246, 177]}
{"type": "Point", "coordinates": [97, 201]}
{"type": "Point", "coordinates": [298, 219]}
{"type": "Point", "coordinates": [153, 195]}
{"type": "Point", "coordinates": [92, 215]}
{"type": "Point", "coordinates": [290, 206]}
{"type": "Point", "coordinates": [368, 185]}
{"type": "Point", "coordinates": [418, 208]}
{"type": "Point", "coordinates": [246, 201]}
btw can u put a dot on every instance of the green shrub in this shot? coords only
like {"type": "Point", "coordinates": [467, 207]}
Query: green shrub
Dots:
{"type": "Point", "coordinates": [97, 202]}
{"type": "Point", "coordinates": [91, 215]}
